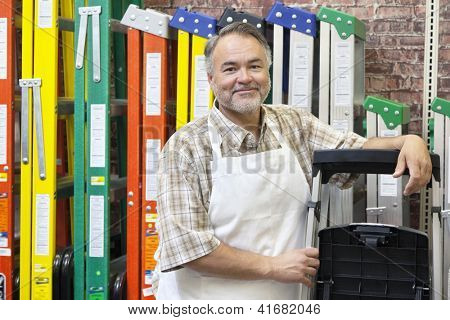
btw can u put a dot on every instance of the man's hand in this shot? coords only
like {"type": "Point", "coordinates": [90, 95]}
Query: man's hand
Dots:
{"type": "Point", "coordinates": [414, 155]}
{"type": "Point", "coordinates": [297, 265]}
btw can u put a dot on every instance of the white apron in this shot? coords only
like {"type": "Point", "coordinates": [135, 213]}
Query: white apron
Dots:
{"type": "Point", "coordinates": [258, 203]}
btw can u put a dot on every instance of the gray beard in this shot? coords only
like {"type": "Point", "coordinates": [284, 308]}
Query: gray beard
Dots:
{"type": "Point", "coordinates": [245, 107]}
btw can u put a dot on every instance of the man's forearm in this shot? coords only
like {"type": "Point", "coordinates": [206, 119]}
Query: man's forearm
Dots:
{"type": "Point", "coordinates": [230, 262]}
{"type": "Point", "coordinates": [385, 143]}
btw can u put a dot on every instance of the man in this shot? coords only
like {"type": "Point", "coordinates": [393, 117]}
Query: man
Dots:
{"type": "Point", "coordinates": [233, 185]}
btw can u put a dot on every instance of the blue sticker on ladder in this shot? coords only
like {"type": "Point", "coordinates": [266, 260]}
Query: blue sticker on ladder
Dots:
{"type": "Point", "coordinates": [194, 22]}
{"type": "Point", "coordinates": [293, 18]}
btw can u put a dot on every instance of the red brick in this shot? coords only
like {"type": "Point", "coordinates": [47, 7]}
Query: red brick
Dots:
{"type": "Point", "coordinates": [407, 97]}
{"type": "Point", "coordinates": [444, 83]}
{"type": "Point", "coordinates": [379, 68]}
{"type": "Point", "coordinates": [420, 11]}
{"type": "Point", "coordinates": [400, 26]}
{"type": "Point", "coordinates": [410, 40]}
{"type": "Point", "coordinates": [407, 69]}
{"type": "Point", "coordinates": [401, 55]}
{"type": "Point", "coordinates": [444, 27]}
{"type": "Point", "coordinates": [444, 39]}
{"type": "Point", "coordinates": [392, 83]}
{"type": "Point", "coordinates": [158, 3]}
{"type": "Point", "coordinates": [444, 95]}
{"type": "Point", "coordinates": [444, 55]}
{"type": "Point", "coordinates": [367, 82]}
{"type": "Point", "coordinates": [362, 13]}
{"type": "Point", "coordinates": [378, 83]}
{"type": "Point", "coordinates": [381, 27]}
{"type": "Point", "coordinates": [444, 68]}
{"type": "Point", "coordinates": [372, 40]}
{"type": "Point", "coordinates": [390, 12]}
{"type": "Point", "coordinates": [192, 3]}
{"type": "Point", "coordinates": [371, 55]}
{"type": "Point", "coordinates": [419, 26]}
{"type": "Point", "coordinates": [335, 3]}
{"type": "Point", "coordinates": [387, 42]}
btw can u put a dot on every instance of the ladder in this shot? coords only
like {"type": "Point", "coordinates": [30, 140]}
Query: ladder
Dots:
{"type": "Point", "coordinates": [385, 201]}
{"type": "Point", "coordinates": [194, 30]}
{"type": "Point", "coordinates": [301, 25]}
{"type": "Point", "coordinates": [94, 189]}
{"type": "Point", "coordinates": [441, 255]}
{"type": "Point", "coordinates": [39, 138]}
{"type": "Point", "coordinates": [341, 89]}
{"type": "Point", "coordinates": [150, 123]}
{"type": "Point", "coordinates": [7, 82]}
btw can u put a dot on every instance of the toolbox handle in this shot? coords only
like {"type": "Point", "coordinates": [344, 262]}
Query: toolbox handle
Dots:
{"type": "Point", "coordinates": [365, 161]}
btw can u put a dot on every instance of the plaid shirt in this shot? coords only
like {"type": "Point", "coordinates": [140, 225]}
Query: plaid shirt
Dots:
{"type": "Point", "coordinates": [184, 178]}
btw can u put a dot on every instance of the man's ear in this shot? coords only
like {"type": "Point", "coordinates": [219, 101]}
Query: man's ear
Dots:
{"type": "Point", "coordinates": [209, 78]}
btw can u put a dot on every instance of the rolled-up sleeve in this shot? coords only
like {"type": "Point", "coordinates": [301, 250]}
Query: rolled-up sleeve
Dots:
{"type": "Point", "coordinates": [323, 136]}
{"type": "Point", "coordinates": [185, 231]}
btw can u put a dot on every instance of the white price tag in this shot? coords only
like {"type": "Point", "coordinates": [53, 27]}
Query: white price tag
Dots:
{"type": "Point", "coordinates": [340, 125]}
{"type": "Point", "coordinates": [96, 226]}
{"type": "Point", "coordinates": [153, 147]}
{"type": "Point", "coordinates": [343, 75]}
{"type": "Point", "coordinates": [201, 88]}
{"type": "Point", "coordinates": [98, 136]}
{"type": "Point", "coordinates": [45, 13]}
{"type": "Point", "coordinates": [388, 185]}
{"type": "Point", "coordinates": [3, 133]}
{"type": "Point", "coordinates": [153, 84]}
{"type": "Point", "coordinates": [300, 86]}
{"type": "Point", "coordinates": [3, 48]}
{"type": "Point", "coordinates": [42, 224]}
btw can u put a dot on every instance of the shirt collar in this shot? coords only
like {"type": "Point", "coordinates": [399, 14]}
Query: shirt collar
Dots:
{"type": "Point", "coordinates": [230, 132]}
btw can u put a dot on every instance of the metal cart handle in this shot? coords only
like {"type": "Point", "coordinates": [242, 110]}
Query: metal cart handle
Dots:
{"type": "Point", "coordinates": [367, 161]}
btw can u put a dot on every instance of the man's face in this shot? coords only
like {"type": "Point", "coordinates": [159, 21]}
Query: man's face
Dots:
{"type": "Point", "coordinates": [240, 77]}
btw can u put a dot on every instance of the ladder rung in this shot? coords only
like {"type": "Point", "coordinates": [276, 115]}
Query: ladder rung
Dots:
{"type": "Point", "coordinates": [116, 26]}
{"type": "Point", "coordinates": [64, 24]}
{"type": "Point", "coordinates": [118, 187]}
{"type": "Point", "coordinates": [65, 106]}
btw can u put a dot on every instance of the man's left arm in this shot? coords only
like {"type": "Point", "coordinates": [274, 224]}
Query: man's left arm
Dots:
{"type": "Point", "coordinates": [413, 155]}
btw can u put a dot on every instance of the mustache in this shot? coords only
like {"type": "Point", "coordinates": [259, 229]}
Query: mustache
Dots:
{"type": "Point", "coordinates": [243, 88]}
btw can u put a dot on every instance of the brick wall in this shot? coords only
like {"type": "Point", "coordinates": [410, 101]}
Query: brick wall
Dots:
{"type": "Point", "coordinates": [394, 46]}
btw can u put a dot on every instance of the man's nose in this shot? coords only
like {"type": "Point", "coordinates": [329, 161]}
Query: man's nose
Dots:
{"type": "Point", "coordinates": [244, 76]}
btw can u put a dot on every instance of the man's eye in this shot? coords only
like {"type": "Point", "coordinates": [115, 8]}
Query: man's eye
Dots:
{"type": "Point", "coordinates": [229, 70]}
{"type": "Point", "coordinates": [256, 67]}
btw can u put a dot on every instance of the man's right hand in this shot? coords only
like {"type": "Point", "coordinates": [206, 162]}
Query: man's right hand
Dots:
{"type": "Point", "coordinates": [297, 265]}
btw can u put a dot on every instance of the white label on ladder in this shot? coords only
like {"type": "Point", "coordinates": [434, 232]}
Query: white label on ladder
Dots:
{"type": "Point", "coordinates": [153, 81]}
{"type": "Point", "coordinates": [201, 88]}
{"type": "Point", "coordinates": [45, 13]}
{"type": "Point", "coordinates": [389, 133]}
{"type": "Point", "coordinates": [300, 84]}
{"type": "Point", "coordinates": [3, 133]}
{"type": "Point", "coordinates": [388, 185]}
{"type": "Point", "coordinates": [42, 224]}
{"type": "Point", "coordinates": [343, 72]}
{"type": "Point", "coordinates": [153, 147]}
{"type": "Point", "coordinates": [98, 139]}
{"type": "Point", "coordinates": [3, 239]}
{"type": "Point", "coordinates": [5, 252]}
{"type": "Point", "coordinates": [340, 125]}
{"type": "Point", "coordinates": [3, 48]}
{"type": "Point", "coordinates": [96, 226]}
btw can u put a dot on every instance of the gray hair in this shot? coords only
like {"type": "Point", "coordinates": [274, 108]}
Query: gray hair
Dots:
{"type": "Point", "coordinates": [240, 28]}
